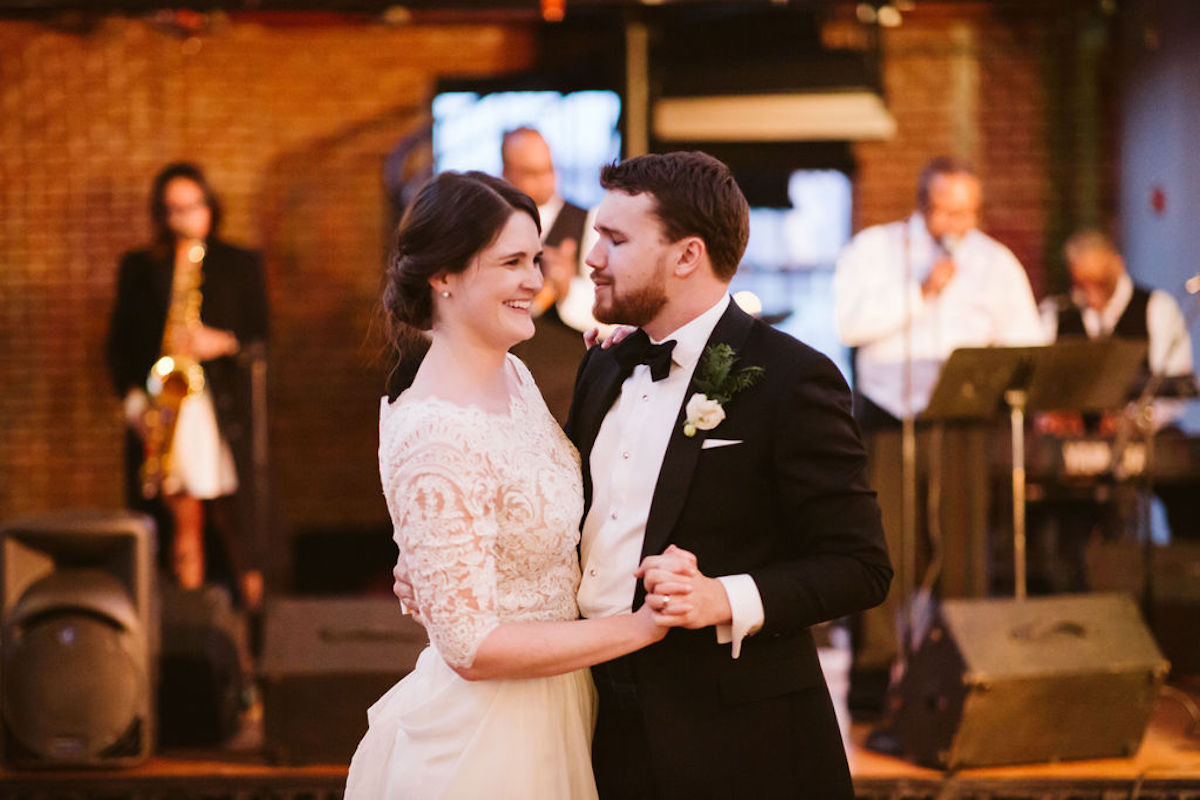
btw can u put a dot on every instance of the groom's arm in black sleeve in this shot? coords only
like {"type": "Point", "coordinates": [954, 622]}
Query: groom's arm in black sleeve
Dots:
{"type": "Point", "coordinates": [840, 562]}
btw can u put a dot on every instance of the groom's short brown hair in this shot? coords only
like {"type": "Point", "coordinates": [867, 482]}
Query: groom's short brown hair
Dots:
{"type": "Point", "coordinates": [694, 195]}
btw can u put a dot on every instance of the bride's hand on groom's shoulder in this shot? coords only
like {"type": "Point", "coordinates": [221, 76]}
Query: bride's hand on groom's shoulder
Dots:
{"type": "Point", "coordinates": [679, 594]}
{"type": "Point", "coordinates": [592, 337]}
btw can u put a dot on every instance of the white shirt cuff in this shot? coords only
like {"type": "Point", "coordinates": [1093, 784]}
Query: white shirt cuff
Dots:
{"type": "Point", "coordinates": [135, 405]}
{"type": "Point", "coordinates": [745, 603]}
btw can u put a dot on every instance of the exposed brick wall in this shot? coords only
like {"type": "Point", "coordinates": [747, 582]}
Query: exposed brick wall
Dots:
{"type": "Point", "coordinates": [292, 124]}
{"type": "Point", "coordinates": [971, 79]}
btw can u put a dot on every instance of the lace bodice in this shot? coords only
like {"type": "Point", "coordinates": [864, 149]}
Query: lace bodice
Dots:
{"type": "Point", "coordinates": [485, 509]}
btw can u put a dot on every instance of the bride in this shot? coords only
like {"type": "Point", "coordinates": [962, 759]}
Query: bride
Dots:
{"type": "Point", "coordinates": [485, 496]}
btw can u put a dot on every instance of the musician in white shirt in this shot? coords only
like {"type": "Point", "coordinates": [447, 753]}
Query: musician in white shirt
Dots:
{"type": "Point", "coordinates": [912, 291]}
{"type": "Point", "coordinates": [907, 294]}
{"type": "Point", "coordinates": [1105, 302]}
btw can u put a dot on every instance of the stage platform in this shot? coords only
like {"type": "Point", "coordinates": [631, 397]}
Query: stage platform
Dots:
{"type": "Point", "coordinates": [1167, 767]}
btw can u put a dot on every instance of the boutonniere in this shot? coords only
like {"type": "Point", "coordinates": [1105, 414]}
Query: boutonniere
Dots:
{"type": "Point", "coordinates": [717, 384]}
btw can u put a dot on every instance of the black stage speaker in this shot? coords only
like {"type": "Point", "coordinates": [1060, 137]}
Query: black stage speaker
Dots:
{"type": "Point", "coordinates": [1007, 681]}
{"type": "Point", "coordinates": [325, 661]}
{"type": "Point", "coordinates": [205, 671]}
{"type": "Point", "coordinates": [80, 635]}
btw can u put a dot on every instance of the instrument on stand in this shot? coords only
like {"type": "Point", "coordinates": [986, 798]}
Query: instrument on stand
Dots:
{"type": "Point", "coordinates": [174, 376]}
{"type": "Point", "coordinates": [1084, 460]}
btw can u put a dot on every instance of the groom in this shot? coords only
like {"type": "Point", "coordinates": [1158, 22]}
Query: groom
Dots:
{"type": "Point", "coordinates": [762, 494]}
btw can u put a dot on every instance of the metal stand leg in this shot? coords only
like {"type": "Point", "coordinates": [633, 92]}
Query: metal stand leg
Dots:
{"type": "Point", "coordinates": [1016, 399]}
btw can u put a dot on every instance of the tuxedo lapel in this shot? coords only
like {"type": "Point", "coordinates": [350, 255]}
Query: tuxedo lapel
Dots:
{"type": "Point", "coordinates": [679, 460]}
{"type": "Point", "coordinates": [595, 404]}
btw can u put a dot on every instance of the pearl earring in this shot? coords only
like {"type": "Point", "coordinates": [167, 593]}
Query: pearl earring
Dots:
{"type": "Point", "coordinates": [445, 293]}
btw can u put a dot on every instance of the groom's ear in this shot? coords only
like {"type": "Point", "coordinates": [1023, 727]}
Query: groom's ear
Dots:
{"type": "Point", "coordinates": [691, 253]}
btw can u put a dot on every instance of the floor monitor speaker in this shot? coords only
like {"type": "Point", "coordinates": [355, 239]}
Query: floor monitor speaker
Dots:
{"type": "Point", "coordinates": [1004, 681]}
{"type": "Point", "coordinates": [325, 662]}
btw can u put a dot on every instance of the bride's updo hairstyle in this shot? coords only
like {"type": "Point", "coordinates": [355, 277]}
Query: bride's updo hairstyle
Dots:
{"type": "Point", "coordinates": [453, 217]}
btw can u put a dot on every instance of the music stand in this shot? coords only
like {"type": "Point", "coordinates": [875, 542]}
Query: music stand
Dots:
{"type": "Point", "coordinates": [1072, 375]}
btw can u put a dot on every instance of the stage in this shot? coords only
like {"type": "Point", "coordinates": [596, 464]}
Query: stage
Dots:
{"type": "Point", "coordinates": [1167, 767]}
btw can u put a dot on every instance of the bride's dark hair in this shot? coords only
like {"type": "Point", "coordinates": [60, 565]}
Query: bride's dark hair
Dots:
{"type": "Point", "coordinates": [453, 217]}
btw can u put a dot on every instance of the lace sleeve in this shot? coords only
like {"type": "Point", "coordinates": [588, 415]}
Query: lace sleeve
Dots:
{"type": "Point", "coordinates": [446, 532]}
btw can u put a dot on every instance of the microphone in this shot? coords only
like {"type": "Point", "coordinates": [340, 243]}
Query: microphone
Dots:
{"type": "Point", "coordinates": [949, 243]}
{"type": "Point", "coordinates": [1192, 284]}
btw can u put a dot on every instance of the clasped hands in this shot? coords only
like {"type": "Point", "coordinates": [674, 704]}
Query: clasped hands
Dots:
{"type": "Point", "coordinates": [678, 595]}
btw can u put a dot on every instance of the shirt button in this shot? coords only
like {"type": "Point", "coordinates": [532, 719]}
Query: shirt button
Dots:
{"type": "Point", "coordinates": [613, 515]}
{"type": "Point", "coordinates": [645, 397]}
{"type": "Point", "coordinates": [625, 455]}
{"type": "Point", "coordinates": [592, 572]}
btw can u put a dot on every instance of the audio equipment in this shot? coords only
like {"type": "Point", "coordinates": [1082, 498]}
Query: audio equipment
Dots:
{"type": "Point", "coordinates": [325, 662]}
{"type": "Point", "coordinates": [1005, 681]}
{"type": "Point", "coordinates": [205, 667]}
{"type": "Point", "coordinates": [79, 639]}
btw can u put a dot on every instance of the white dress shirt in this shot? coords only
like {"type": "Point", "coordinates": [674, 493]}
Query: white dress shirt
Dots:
{"type": "Point", "coordinates": [1170, 345]}
{"type": "Point", "coordinates": [625, 462]}
{"type": "Point", "coordinates": [880, 310]}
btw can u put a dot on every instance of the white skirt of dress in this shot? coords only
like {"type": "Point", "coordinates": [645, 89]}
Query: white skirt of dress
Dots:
{"type": "Point", "coordinates": [201, 463]}
{"type": "Point", "coordinates": [436, 736]}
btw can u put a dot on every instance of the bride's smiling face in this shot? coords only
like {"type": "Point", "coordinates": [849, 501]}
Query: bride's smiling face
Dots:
{"type": "Point", "coordinates": [490, 300]}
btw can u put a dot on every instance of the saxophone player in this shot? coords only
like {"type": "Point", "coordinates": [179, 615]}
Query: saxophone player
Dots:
{"type": "Point", "coordinates": [187, 308]}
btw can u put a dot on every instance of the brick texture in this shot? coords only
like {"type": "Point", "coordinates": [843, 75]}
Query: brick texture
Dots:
{"type": "Point", "coordinates": [292, 124]}
{"type": "Point", "coordinates": [989, 83]}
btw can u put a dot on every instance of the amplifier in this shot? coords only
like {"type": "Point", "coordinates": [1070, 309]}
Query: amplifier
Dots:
{"type": "Point", "coordinates": [325, 662]}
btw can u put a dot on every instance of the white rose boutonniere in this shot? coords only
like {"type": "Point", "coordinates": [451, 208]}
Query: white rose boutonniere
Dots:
{"type": "Point", "coordinates": [718, 383]}
{"type": "Point", "coordinates": [702, 414]}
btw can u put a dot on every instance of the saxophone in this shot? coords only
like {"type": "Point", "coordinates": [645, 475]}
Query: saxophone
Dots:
{"type": "Point", "coordinates": [174, 376]}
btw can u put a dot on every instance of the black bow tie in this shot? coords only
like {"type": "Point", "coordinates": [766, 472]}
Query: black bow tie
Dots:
{"type": "Point", "coordinates": [638, 349]}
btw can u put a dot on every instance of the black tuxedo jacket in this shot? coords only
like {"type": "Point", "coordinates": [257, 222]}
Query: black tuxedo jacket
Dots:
{"type": "Point", "coordinates": [567, 225]}
{"type": "Point", "coordinates": [790, 506]}
{"type": "Point", "coordinates": [553, 353]}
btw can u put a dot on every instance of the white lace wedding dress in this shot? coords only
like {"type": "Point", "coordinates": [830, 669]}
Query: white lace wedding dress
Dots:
{"type": "Point", "coordinates": [486, 509]}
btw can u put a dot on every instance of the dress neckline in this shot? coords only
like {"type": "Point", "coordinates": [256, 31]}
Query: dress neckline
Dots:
{"type": "Point", "coordinates": [468, 408]}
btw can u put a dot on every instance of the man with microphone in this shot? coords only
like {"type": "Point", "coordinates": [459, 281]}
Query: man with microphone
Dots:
{"type": "Point", "coordinates": [910, 292]}
{"type": "Point", "coordinates": [907, 294]}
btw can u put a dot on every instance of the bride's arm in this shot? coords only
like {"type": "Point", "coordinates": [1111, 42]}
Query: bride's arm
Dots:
{"type": "Point", "coordinates": [446, 529]}
{"type": "Point", "coordinates": [538, 649]}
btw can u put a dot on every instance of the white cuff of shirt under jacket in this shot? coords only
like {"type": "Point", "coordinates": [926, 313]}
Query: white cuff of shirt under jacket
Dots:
{"type": "Point", "coordinates": [745, 603]}
{"type": "Point", "coordinates": [134, 405]}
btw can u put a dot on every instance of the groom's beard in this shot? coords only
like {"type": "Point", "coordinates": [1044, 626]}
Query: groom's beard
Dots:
{"type": "Point", "coordinates": [636, 307]}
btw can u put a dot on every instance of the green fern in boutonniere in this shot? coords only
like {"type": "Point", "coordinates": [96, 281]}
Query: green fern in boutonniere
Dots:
{"type": "Point", "coordinates": [718, 383]}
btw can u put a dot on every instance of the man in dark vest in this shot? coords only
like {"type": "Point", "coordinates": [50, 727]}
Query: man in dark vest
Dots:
{"type": "Point", "coordinates": [556, 348]}
{"type": "Point", "coordinates": [1104, 301]}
